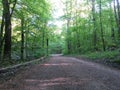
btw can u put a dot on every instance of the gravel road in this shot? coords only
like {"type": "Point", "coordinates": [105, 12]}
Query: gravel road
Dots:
{"type": "Point", "coordinates": [65, 73]}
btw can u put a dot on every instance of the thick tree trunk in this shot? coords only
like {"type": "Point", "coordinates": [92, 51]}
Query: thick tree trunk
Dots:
{"type": "Point", "coordinates": [7, 46]}
{"type": "Point", "coordinates": [7, 11]}
{"type": "Point", "coordinates": [1, 35]}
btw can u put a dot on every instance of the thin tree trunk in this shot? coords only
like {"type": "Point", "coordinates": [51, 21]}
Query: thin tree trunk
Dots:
{"type": "Point", "coordinates": [68, 41]}
{"type": "Point", "coordinates": [78, 30]}
{"type": "Point", "coordinates": [43, 35]}
{"type": "Point", "coordinates": [22, 38]}
{"type": "Point", "coordinates": [68, 26]}
{"type": "Point", "coordinates": [47, 42]}
{"type": "Point", "coordinates": [26, 41]}
{"type": "Point", "coordinates": [118, 17]}
{"type": "Point", "coordinates": [94, 23]}
{"type": "Point", "coordinates": [115, 14]}
{"type": "Point", "coordinates": [101, 28]}
{"type": "Point", "coordinates": [111, 22]}
{"type": "Point", "coordinates": [118, 9]}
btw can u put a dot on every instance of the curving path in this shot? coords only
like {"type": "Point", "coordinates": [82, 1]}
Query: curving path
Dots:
{"type": "Point", "coordinates": [65, 73]}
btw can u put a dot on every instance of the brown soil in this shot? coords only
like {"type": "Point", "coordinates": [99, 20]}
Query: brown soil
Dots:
{"type": "Point", "coordinates": [65, 73]}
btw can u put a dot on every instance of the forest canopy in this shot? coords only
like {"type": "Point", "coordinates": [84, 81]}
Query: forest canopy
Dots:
{"type": "Point", "coordinates": [34, 28]}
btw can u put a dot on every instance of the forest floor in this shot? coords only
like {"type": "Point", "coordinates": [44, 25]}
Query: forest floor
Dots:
{"type": "Point", "coordinates": [65, 73]}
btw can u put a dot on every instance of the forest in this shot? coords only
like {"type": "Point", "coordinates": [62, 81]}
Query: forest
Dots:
{"type": "Point", "coordinates": [87, 28]}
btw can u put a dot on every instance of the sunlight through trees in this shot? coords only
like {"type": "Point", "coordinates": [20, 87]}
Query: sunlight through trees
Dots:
{"type": "Point", "coordinates": [33, 28]}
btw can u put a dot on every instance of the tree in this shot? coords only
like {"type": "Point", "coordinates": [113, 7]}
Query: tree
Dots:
{"type": "Point", "coordinates": [7, 14]}
{"type": "Point", "coordinates": [101, 26]}
{"type": "Point", "coordinates": [95, 27]}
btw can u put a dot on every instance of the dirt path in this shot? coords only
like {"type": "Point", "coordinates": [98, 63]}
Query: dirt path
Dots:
{"type": "Point", "coordinates": [65, 73]}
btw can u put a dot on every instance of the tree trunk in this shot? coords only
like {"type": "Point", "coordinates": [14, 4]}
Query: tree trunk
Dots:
{"type": "Point", "coordinates": [77, 29]}
{"type": "Point", "coordinates": [7, 11]}
{"type": "Point", "coordinates": [26, 41]}
{"type": "Point", "coordinates": [43, 35]}
{"type": "Point", "coordinates": [47, 42]}
{"type": "Point", "coordinates": [118, 9]}
{"type": "Point", "coordinates": [68, 38]}
{"type": "Point", "coordinates": [7, 45]}
{"type": "Point", "coordinates": [1, 35]}
{"type": "Point", "coordinates": [101, 28]}
{"type": "Point", "coordinates": [68, 14]}
{"type": "Point", "coordinates": [22, 38]}
{"type": "Point", "coordinates": [111, 22]}
{"type": "Point", "coordinates": [94, 24]}
{"type": "Point", "coordinates": [115, 14]}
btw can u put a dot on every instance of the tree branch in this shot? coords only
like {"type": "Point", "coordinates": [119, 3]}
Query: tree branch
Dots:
{"type": "Point", "coordinates": [13, 7]}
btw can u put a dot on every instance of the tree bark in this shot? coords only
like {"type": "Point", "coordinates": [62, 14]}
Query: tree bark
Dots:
{"type": "Point", "coordinates": [7, 11]}
{"type": "Point", "coordinates": [47, 43]}
{"type": "Point", "coordinates": [115, 14]}
{"type": "Point", "coordinates": [94, 24]}
{"type": "Point", "coordinates": [1, 35]}
{"type": "Point", "coordinates": [22, 38]}
{"type": "Point", "coordinates": [111, 22]}
{"type": "Point", "coordinates": [77, 30]}
{"type": "Point", "coordinates": [7, 45]}
{"type": "Point", "coordinates": [118, 9]}
{"type": "Point", "coordinates": [101, 28]}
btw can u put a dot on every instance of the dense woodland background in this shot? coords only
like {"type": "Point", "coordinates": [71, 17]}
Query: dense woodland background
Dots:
{"type": "Point", "coordinates": [91, 28]}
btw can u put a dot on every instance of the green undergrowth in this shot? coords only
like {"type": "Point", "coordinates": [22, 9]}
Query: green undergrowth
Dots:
{"type": "Point", "coordinates": [9, 63]}
{"type": "Point", "coordinates": [112, 56]}
{"type": "Point", "coordinates": [102, 55]}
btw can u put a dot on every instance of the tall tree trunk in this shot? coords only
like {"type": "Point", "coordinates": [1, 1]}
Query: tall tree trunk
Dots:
{"type": "Point", "coordinates": [118, 9]}
{"type": "Point", "coordinates": [68, 38]}
{"type": "Point", "coordinates": [78, 30]}
{"type": "Point", "coordinates": [68, 3]}
{"type": "Point", "coordinates": [101, 27]}
{"type": "Point", "coordinates": [1, 35]}
{"type": "Point", "coordinates": [94, 24]}
{"type": "Point", "coordinates": [111, 22]}
{"type": "Point", "coordinates": [115, 14]}
{"type": "Point", "coordinates": [22, 38]}
{"type": "Point", "coordinates": [7, 11]}
{"type": "Point", "coordinates": [7, 46]}
{"type": "Point", "coordinates": [43, 35]}
{"type": "Point", "coordinates": [26, 41]}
